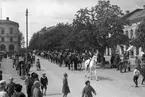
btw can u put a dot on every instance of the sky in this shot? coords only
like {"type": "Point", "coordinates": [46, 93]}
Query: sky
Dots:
{"type": "Point", "coordinates": [50, 12]}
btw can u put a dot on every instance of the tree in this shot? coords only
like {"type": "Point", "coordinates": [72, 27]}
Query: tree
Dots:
{"type": "Point", "coordinates": [51, 37]}
{"type": "Point", "coordinates": [97, 23]}
{"type": "Point", "coordinates": [21, 40]}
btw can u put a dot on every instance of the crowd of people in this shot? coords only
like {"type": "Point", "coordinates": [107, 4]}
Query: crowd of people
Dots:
{"type": "Point", "coordinates": [74, 59]}
{"type": "Point", "coordinates": [37, 86]}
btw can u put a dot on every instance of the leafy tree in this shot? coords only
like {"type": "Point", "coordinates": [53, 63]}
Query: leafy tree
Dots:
{"type": "Point", "coordinates": [21, 40]}
{"type": "Point", "coordinates": [97, 23]}
{"type": "Point", "coordinates": [52, 37]}
{"type": "Point", "coordinates": [90, 30]}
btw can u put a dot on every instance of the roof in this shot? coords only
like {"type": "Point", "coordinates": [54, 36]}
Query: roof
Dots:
{"type": "Point", "coordinates": [135, 16]}
{"type": "Point", "coordinates": [8, 22]}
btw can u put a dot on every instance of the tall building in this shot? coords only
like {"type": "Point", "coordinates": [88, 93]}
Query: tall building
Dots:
{"type": "Point", "coordinates": [135, 17]}
{"type": "Point", "coordinates": [9, 36]}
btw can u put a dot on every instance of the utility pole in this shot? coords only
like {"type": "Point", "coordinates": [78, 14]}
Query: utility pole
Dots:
{"type": "Point", "coordinates": [26, 36]}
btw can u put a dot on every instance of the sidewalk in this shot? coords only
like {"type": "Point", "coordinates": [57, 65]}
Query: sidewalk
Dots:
{"type": "Point", "coordinates": [9, 71]}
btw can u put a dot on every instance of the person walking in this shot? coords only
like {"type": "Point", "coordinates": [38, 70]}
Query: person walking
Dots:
{"type": "Point", "coordinates": [3, 93]}
{"type": "Point", "coordinates": [28, 83]}
{"type": "Point", "coordinates": [143, 74]}
{"type": "Point", "coordinates": [44, 83]}
{"type": "Point", "coordinates": [38, 64]}
{"type": "Point", "coordinates": [36, 91]}
{"type": "Point", "coordinates": [65, 87]}
{"type": "Point", "coordinates": [10, 87]}
{"type": "Point", "coordinates": [88, 89]}
{"type": "Point", "coordinates": [138, 63]}
{"type": "Point", "coordinates": [136, 74]}
{"type": "Point", "coordinates": [18, 91]}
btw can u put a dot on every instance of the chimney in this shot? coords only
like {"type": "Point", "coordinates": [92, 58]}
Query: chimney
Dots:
{"type": "Point", "coordinates": [8, 18]}
{"type": "Point", "coordinates": [127, 12]}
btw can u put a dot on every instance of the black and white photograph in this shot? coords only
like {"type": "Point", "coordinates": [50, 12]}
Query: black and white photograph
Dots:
{"type": "Point", "coordinates": [72, 48]}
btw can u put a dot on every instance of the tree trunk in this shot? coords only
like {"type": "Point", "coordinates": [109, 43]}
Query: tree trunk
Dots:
{"type": "Point", "coordinates": [102, 51]}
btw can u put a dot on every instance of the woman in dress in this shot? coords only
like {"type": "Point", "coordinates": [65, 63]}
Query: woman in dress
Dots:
{"type": "Point", "coordinates": [65, 87]}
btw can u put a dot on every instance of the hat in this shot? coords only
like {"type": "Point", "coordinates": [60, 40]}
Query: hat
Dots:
{"type": "Point", "coordinates": [2, 82]}
{"type": "Point", "coordinates": [37, 84]}
{"type": "Point", "coordinates": [87, 82]}
{"type": "Point", "coordinates": [65, 74]}
{"type": "Point", "coordinates": [43, 73]}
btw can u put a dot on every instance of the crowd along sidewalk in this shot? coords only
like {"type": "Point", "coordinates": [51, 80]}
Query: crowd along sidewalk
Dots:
{"type": "Point", "coordinates": [9, 71]}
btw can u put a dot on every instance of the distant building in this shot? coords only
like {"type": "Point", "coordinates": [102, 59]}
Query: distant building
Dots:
{"type": "Point", "coordinates": [135, 17]}
{"type": "Point", "coordinates": [9, 36]}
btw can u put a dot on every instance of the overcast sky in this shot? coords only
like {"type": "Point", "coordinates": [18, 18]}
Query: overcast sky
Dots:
{"type": "Point", "coordinates": [50, 12]}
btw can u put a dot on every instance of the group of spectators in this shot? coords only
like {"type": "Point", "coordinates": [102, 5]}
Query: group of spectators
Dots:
{"type": "Point", "coordinates": [35, 87]}
{"type": "Point", "coordinates": [11, 89]}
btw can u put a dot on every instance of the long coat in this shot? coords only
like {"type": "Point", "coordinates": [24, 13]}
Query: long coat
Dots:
{"type": "Point", "coordinates": [65, 87]}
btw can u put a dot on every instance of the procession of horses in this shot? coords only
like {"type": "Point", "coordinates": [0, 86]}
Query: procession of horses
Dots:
{"type": "Point", "coordinates": [87, 60]}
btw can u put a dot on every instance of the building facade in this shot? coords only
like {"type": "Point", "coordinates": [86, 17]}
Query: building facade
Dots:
{"type": "Point", "coordinates": [135, 17]}
{"type": "Point", "coordinates": [9, 36]}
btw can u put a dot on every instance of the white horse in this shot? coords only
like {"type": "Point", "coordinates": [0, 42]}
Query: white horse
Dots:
{"type": "Point", "coordinates": [90, 67]}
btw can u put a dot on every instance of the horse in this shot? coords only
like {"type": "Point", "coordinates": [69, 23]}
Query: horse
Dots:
{"type": "Point", "coordinates": [90, 67]}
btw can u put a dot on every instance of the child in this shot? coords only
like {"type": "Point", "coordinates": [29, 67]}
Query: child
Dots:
{"type": "Point", "coordinates": [65, 87]}
{"type": "Point", "coordinates": [88, 89]}
{"type": "Point", "coordinates": [44, 83]}
{"type": "Point", "coordinates": [136, 74]}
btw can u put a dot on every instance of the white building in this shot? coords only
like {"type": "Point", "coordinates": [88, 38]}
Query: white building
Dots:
{"type": "Point", "coordinates": [134, 18]}
{"type": "Point", "coordinates": [9, 36]}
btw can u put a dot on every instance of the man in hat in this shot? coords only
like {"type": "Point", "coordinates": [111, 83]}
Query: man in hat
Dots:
{"type": "Point", "coordinates": [18, 91]}
{"type": "Point", "coordinates": [136, 74]}
{"type": "Point", "coordinates": [88, 89]}
{"type": "Point", "coordinates": [28, 83]}
{"type": "Point", "coordinates": [38, 64]}
{"type": "Point", "coordinates": [10, 87]}
{"type": "Point", "coordinates": [44, 83]}
{"type": "Point", "coordinates": [36, 91]}
{"type": "Point", "coordinates": [143, 74]}
{"type": "Point", "coordinates": [2, 89]}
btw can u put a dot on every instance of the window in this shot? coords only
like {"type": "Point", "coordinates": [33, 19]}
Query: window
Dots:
{"type": "Point", "coordinates": [3, 39]}
{"type": "Point", "coordinates": [131, 33]}
{"type": "Point", "coordinates": [126, 32]}
{"type": "Point", "coordinates": [11, 39]}
{"type": "Point", "coordinates": [11, 30]}
{"type": "Point", "coordinates": [137, 51]}
{"type": "Point", "coordinates": [2, 30]}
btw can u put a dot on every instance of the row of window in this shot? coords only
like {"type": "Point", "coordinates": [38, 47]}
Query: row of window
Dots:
{"type": "Point", "coordinates": [3, 39]}
{"type": "Point", "coordinates": [3, 30]}
{"type": "Point", "coordinates": [132, 52]}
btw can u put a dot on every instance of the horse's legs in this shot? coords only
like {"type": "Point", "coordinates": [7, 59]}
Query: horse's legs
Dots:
{"type": "Point", "coordinates": [86, 71]}
{"type": "Point", "coordinates": [91, 73]}
{"type": "Point", "coordinates": [96, 75]}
